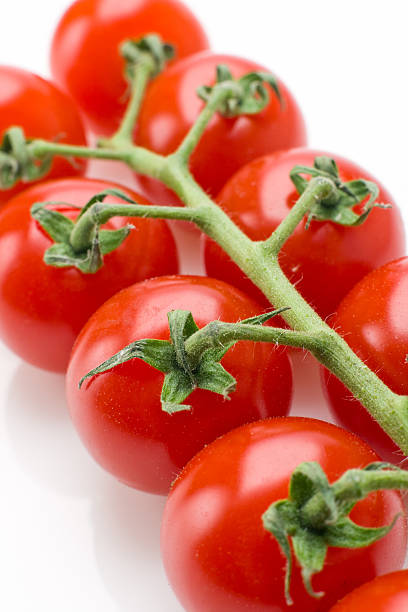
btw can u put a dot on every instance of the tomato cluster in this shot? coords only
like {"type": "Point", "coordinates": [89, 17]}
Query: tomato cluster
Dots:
{"type": "Point", "coordinates": [231, 459]}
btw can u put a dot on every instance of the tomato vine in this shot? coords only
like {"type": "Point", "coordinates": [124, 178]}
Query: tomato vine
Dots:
{"type": "Point", "coordinates": [258, 259]}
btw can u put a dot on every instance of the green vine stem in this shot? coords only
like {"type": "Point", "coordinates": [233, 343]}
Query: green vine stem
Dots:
{"type": "Point", "coordinates": [41, 148]}
{"type": "Point", "coordinates": [124, 135]}
{"type": "Point", "coordinates": [99, 213]}
{"type": "Point", "coordinates": [218, 333]}
{"type": "Point", "coordinates": [219, 96]}
{"type": "Point", "coordinates": [258, 260]}
{"type": "Point", "coordinates": [319, 189]}
{"type": "Point", "coordinates": [144, 59]}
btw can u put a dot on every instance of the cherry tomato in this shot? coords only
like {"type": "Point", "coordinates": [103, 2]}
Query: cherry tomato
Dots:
{"type": "Point", "coordinates": [326, 260]}
{"type": "Point", "coordinates": [172, 105]}
{"type": "Point", "coordinates": [387, 593]}
{"type": "Point", "coordinates": [118, 414]}
{"type": "Point", "coordinates": [85, 57]}
{"type": "Point", "coordinates": [373, 318]}
{"type": "Point", "coordinates": [43, 111]}
{"type": "Point", "coordinates": [43, 308]}
{"type": "Point", "coordinates": [216, 552]}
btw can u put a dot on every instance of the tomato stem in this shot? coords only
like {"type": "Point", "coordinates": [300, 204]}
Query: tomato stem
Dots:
{"type": "Point", "coordinates": [220, 93]}
{"type": "Point", "coordinates": [99, 213]}
{"type": "Point", "coordinates": [356, 484]}
{"type": "Point", "coordinates": [145, 58]}
{"type": "Point", "coordinates": [17, 161]}
{"type": "Point", "coordinates": [217, 334]}
{"type": "Point", "coordinates": [318, 189]}
{"type": "Point", "coordinates": [42, 148]}
{"type": "Point", "coordinates": [124, 135]}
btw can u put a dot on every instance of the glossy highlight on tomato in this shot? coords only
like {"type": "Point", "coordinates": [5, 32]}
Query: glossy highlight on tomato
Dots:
{"type": "Point", "coordinates": [172, 105]}
{"type": "Point", "coordinates": [43, 308]}
{"type": "Point", "coordinates": [324, 261]}
{"type": "Point", "coordinates": [118, 413]}
{"type": "Point", "coordinates": [216, 552]}
{"type": "Point", "coordinates": [43, 111]}
{"type": "Point", "coordinates": [373, 318]}
{"type": "Point", "coordinates": [85, 57]}
{"type": "Point", "coordinates": [387, 593]}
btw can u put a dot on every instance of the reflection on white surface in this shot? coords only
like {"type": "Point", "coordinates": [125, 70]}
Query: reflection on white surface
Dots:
{"type": "Point", "coordinates": [41, 436]}
{"type": "Point", "coordinates": [126, 526]}
{"type": "Point", "coordinates": [92, 534]}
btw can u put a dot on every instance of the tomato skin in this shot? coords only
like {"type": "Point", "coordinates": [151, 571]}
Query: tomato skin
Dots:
{"type": "Point", "coordinates": [43, 308]}
{"type": "Point", "coordinates": [216, 553]}
{"type": "Point", "coordinates": [43, 111]}
{"type": "Point", "coordinates": [325, 261]}
{"type": "Point", "coordinates": [374, 321]}
{"type": "Point", "coordinates": [172, 105]}
{"type": "Point", "coordinates": [85, 56]}
{"type": "Point", "coordinates": [118, 414]}
{"type": "Point", "coordinates": [387, 593]}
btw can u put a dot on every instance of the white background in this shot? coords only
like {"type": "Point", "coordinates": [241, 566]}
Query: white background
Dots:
{"type": "Point", "coordinates": [71, 537]}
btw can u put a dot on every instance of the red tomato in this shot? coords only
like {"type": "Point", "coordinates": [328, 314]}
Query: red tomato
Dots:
{"type": "Point", "coordinates": [172, 105]}
{"type": "Point", "coordinates": [43, 111]}
{"type": "Point", "coordinates": [85, 57]}
{"type": "Point", "coordinates": [118, 413]}
{"type": "Point", "coordinates": [216, 552]}
{"type": "Point", "coordinates": [324, 261]}
{"type": "Point", "coordinates": [373, 318]}
{"type": "Point", "coordinates": [384, 594]}
{"type": "Point", "coordinates": [43, 308]}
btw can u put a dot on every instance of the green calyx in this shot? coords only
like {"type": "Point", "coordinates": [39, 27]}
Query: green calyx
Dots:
{"type": "Point", "coordinates": [247, 95]}
{"type": "Point", "coordinates": [86, 253]}
{"type": "Point", "coordinates": [150, 50]}
{"type": "Point", "coordinates": [16, 161]}
{"type": "Point", "coordinates": [315, 515]}
{"type": "Point", "coordinates": [183, 374]}
{"type": "Point", "coordinates": [339, 207]}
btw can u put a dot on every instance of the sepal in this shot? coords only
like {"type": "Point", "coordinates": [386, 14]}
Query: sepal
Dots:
{"type": "Point", "coordinates": [55, 224]}
{"type": "Point", "coordinates": [248, 95]}
{"type": "Point", "coordinates": [346, 534]}
{"type": "Point", "coordinates": [176, 388]}
{"type": "Point", "coordinates": [281, 520]}
{"type": "Point", "coordinates": [60, 228]}
{"type": "Point", "coordinates": [17, 162]}
{"type": "Point", "coordinates": [315, 516]}
{"type": "Point", "coordinates": [339, 207]}
{"type": "Point", "coordinates": [310, 550]}
{"type": "Point", "coordinates": [182, 326]}
{"type": "Point", "coordinates": [110, 240]}
{"type": "Point", "coordinates": [212, 376]}
{"type": "Point", "coordinates": [157, 353]}
{"type": "Point", "coordinates": [151, 46]}
{"type": "Point", "coordinates": [182, 377]}
{"type": "Point", "coordinates": [62, 255]}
